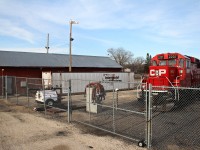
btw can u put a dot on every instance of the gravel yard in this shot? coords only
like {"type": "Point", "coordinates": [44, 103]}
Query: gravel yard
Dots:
{"type": "Point", "coordinates": [22, 129]}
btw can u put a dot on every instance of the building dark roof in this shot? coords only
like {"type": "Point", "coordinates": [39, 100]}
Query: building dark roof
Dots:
{"type": "Point", "coordinates": [27, 59]}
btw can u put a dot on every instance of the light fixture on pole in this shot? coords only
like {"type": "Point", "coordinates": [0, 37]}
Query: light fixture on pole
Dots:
{"type": "Point", "coordinates": [70, 44]}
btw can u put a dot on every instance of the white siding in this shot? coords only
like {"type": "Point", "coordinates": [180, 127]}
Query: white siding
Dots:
{"type": "Point", "coordinates": [80, 80]}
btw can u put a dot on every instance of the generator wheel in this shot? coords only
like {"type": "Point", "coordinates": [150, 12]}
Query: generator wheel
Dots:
{"type": "Point", "coordinates": [50, 102]}
{"type": "Point", "coordinates": [141, 143]}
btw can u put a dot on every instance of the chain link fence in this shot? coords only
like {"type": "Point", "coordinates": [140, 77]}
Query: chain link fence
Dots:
{"type": "Point", "coordinates": [161, 117]}
{"type": "Point", "coordinates": [176, 118]}
{"type": "Point", "coordinates": [22, 92]}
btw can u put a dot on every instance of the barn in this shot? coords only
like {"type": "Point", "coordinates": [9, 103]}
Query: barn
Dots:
{"type": "Point", "coordinates": [32, 65]}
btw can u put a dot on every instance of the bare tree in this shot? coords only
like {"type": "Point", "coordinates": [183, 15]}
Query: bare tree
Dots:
{"type": "Point", "coordinates": [120, 55]}
{"type": "Point", "coordinates": [138, 64]}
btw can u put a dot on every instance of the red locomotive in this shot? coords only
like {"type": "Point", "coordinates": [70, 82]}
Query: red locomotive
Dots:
{"type": "Point", "coordinates": [172, 70]}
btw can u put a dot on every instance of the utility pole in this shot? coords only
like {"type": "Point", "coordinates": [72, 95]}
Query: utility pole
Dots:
{"type": "Point", "coordinates": [70, 44]}
{"type": "Point", "coordinates": [47, 47]}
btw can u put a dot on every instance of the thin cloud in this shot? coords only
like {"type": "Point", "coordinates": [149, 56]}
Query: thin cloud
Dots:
{"type": "Point", "coordinates": [96, 14]}
{"type": "Point", "coordinates": [164, 21]}
{"type": "Point", "coordinates": [9, 28]}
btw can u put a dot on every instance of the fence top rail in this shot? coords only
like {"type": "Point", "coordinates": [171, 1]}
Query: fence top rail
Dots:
{"type": "Point", "coordinates": [176, 87]}
{"type": "Point", "coordinates": [20, 77]}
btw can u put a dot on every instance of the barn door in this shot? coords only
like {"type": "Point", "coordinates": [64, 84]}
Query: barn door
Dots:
{"type": "Point", "coordinates": [9, 85]}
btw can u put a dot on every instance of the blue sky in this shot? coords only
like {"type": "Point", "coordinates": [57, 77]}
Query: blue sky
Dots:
{"type": "Point", "coordinates": [140, 26]}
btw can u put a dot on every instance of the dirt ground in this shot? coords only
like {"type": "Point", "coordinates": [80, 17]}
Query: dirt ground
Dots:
{"type": "Point", "coordinates": [21, 129]}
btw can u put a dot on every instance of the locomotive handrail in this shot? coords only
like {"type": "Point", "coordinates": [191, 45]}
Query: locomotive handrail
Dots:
{"type": "Point", "coordinates": [177, 86]}
{"type": "Point", "coordinates": [169, 81]}
{"type": "Point", "coordinates": [176, 79]}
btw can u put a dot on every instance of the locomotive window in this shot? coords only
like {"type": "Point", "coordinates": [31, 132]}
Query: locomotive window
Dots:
{"type": "Point", "coordinates": [187, 64]}
{"type": "Point", "coordinates": [161, 57]}
{"type": "Point", "coordinates": [181, 63]}
{"type": "Point", "coordinates": [162, 63]}
{"type": "Point", "coordinates": [154, 63]}
{"type": "Point", "coordinates": [172, 62]}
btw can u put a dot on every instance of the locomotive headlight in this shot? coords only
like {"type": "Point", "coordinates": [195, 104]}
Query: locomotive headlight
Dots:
{"type": "Point", "coordinates": [180, 71]}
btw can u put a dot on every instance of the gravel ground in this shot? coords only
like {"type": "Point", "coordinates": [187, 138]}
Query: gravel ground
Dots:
{"type": "Point", "coordinates": [25, 130]}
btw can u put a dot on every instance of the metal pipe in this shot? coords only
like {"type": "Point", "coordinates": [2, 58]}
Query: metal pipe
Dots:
{"type": "Point", "coordinates": [6, 86]}
{"type": "Point", "coordinates": [27, 92]}
{"type": "Point", "coordinates": [177, 88]}
{"type": "Point", "coordinates": [2, 70]}
{"type": "Point", "coordinates": [90, 101]}
{"type": "Point", "coordinates": [116, 91]}
{"type": "Point", "coordinates": [113, 108]}
{"type": "Point", "coordinates": [16, 89]}
{"type": "Point", "coordinates": [149, 118]}
{"type": "Point", "coordinates": [68, 107]}
{"type": "Point", "coordinates": [70, 99]}
{"type": "Point", "coordinates": [43, 89]}
{"type": "Point", "coordinates": [176, 79]}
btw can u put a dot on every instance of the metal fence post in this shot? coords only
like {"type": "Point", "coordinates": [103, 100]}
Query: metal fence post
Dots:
{"type": "Point", "coordinates": [149, 117]}
{"type": "Point", "coordinates": [6, 86]}
{"type": "Point", "coordinates": [2, 86]}
{"type": "Point", "coordinates": [116, 94]}
{"type": "Point", "coordinates": [16, 90]}
{"type": "Point", "coordinates": [90, 101]}
{"type": "Point", "coordinates": [113, 107]}
{"type": "Point", "coordinates": [69, 102]}
{"type": "Point", "coordinates": [43, 89]}
{"type": "Point", "coordinates": [27, 92]}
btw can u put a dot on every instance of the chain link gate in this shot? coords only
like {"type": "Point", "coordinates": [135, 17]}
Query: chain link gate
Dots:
{"type": "Point", "coordinates": [120, 113]}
